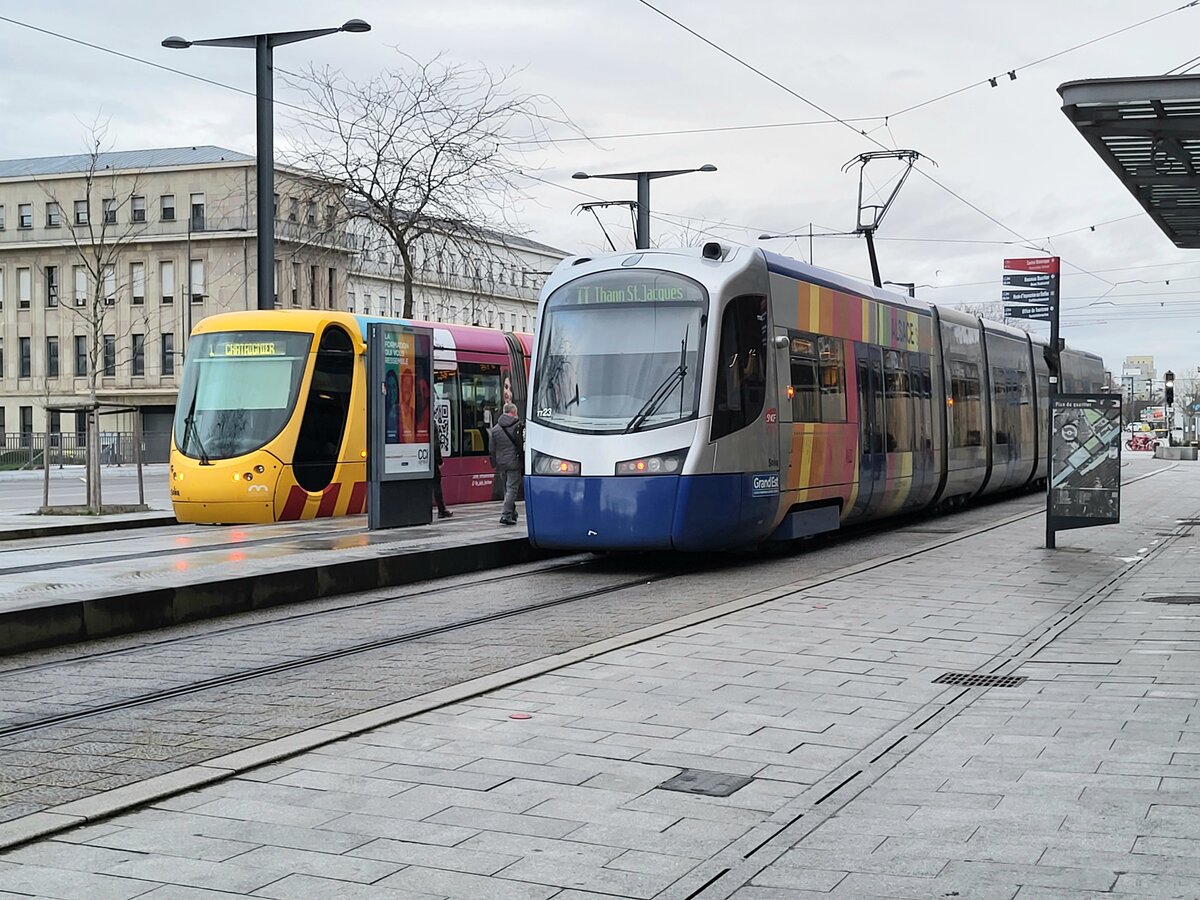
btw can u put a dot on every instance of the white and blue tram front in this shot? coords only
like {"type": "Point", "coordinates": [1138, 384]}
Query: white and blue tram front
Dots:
{"type": "Point", "coordinates": [649, 424]}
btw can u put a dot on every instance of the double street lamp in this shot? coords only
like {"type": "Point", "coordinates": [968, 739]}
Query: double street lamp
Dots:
{"type": "Point", "coordinates": [642, 231]}
{"type": "Point", "coordinates": [264, 92]}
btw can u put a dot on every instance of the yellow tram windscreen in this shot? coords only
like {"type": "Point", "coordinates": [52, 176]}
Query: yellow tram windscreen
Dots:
{"type": "Point", "coordinates": [244, 382]}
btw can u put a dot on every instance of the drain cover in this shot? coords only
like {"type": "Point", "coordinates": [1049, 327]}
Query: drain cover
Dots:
{"type": "Point", "coordinates": [967, 679]}
{"type": "Point", "coordinates": [711, 784]}
{"type": "Point", "coordinates": [1174, 598]}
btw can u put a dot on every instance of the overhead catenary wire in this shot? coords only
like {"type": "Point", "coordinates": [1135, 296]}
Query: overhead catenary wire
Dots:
{"type": "Point", "coordinates": [724, 226]}
{"type": "Point", "coordinates": [741, 62]}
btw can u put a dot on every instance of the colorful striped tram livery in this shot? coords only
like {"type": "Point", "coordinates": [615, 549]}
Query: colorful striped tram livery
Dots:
{"type": "Point", "coordinates": [271, 418]}
{"type": "Point", "coordinates": [724, 397]}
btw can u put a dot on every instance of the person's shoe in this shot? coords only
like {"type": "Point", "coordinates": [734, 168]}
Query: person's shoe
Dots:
{"type": "Point", "coordinates": [445, 514]}
{"type": "Point", "coordinates": [504, 520]}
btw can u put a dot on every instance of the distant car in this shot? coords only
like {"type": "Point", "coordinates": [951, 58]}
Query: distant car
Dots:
{"type": "Point", "coordinates": [1137, 427]}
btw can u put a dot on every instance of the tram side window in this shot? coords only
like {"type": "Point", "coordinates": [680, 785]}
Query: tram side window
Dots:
{"type": "Point", "coordinates": [922, 392]}
{"type": "Point", "coordinates": [965, 412]}
{"type": "Point", "coordinates": [445, 392]}
{"type": "Point", "coordinates": [806, 397]}
{"type": "Point", "coordinates": [897, 390]}
{"type": "Point", "coordinates": [833, 380]}
{"type": "Point", "coordinates": [1002, 401]}
{"type": "Point", "coordinates": [324, 424]}
{"type": "Point", "coordinates": [480, 405]}
{"type": "Point", "coordinates": [818, 379]}
{"type": "Point", "coordinates": [741, 375]}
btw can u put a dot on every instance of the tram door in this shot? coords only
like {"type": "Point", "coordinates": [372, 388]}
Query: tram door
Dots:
{"type": "Point", "coordinates": [872, 464]}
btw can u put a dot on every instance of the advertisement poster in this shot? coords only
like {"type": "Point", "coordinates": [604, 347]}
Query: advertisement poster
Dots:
{"type": "Point", "coordinates": [406, 407]}
{"type": "Point", "coordinates": [1085, 473]}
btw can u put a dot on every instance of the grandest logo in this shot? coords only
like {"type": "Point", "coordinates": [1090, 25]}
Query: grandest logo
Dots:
{"type": "Point", "coordinates": [765, 483]}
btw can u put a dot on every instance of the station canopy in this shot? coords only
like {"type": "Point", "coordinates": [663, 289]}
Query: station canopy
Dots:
{"type": "Point", "coordinates": [1147, 130]}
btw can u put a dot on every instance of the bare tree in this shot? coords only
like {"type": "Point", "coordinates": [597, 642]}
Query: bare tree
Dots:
{"type": "Point", "coordinates": [429, 154]}
{"type": "Point", "coordinates": [99, 227]}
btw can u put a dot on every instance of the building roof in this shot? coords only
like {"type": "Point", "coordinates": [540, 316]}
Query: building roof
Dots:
{"type": "Point", "coordinates": [158, 158]}
{"type": "Point", "coordinates": [1147, 130]}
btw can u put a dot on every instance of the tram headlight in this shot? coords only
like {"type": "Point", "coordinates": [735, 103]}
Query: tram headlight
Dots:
{"type": "Point", "coordinates": [659, 464]}
{"type": "Point", "coordinates": [544, 464]}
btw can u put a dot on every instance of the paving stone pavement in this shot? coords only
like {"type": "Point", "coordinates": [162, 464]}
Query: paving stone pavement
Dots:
{"type": "Point", "coordinates": [868, 779]}
{"type": "Point", "coordinates": [82, 758]}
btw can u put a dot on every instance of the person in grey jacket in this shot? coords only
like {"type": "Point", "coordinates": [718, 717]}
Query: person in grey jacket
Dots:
{"type": "Point", "coordinates": [507, 453]}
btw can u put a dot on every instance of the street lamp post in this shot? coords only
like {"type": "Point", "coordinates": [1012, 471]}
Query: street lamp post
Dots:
{"type": "Point", "coordinates": [263, 44]}
{"type": "Point", "coordinates": [643, 179]}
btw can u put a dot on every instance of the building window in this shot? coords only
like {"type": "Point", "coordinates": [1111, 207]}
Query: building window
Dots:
{"type": "Point", "coordinates": [1, 216]}
{"type": "Point", "coordinates": [137, 209]}
{"type": "Point", "coordinates": [24, 288]}
{"type": "Point", "coordinates": [166, 207]}
{"type": "Point", "coordinates": [51, 285]}
{"type": "Point", "coordinates": [110, 355]}
{"type": "Point", "coordinates": [2, 377]}
{"type": "Point", "coordinates": [166, 276]}
{"type": "Point", "coordinates": [53, 215]}
{"type": "Point", "coordinates": [24, 215]}
{"type": "Point", "coordinates": [330, 215]}
{"type": "Point", "coordinates": [197, 279]}
{"type": "Point", "coordinates": [1, 305]}
{"type": "Point", "coordinates": [80, 356]}
{"type": "Point", "coordinates": [1, 426]}
{"type": "Point", "coordinates": [168, 353]}
{"type": "Point", "coordinates": [350, 301]}
{"type": "Point", "coordinates": [81, 212]}
{"type": "Point", "coordinates": [295, 284]}
{"type": "Point", "coordinates": [276, 205]}
{"type": "Point", "coordinates": [329, 288]}
{"type": "Point", "coordinates": [310, 212]}
{"type": "Point", "coordinates": [139, 354]}
{"type": "Point", "coordinates": [137, 278]}
{"type": "Point", "coordinates": [197, 220]}
{"type": "Point", "coordinates": [26, 361]}
{"type": "Point", "coordinates": [51, 357]}
{"type": "Point", "coordinates": [81, 428]}
{"type": "Point", "coordinates": [26, 425]}
{"type": "Point", "coordinates": [110, 211]}
{"type": "Point", "coordinates": [312, 286]}
{"type": "Point", "coordinates": [293, 209]}
{"type": "Point", "coordinates": [81, 286]}
{"type": "Point", "coordinates": [55, 425]}
{"type": "Point", "coordinates": [110, 285]}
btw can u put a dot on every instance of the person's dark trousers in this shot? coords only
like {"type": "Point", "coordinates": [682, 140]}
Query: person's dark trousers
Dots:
{"type": "Point", "coordinates": [512, 483]}
{"type": "Point", "coordinates": [440, 500]}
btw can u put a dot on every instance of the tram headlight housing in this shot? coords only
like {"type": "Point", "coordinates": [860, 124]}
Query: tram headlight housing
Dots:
{"type": "Point", "coordinates": [545, 464]}
{"type": "Point", "coordinates": [659, 464]}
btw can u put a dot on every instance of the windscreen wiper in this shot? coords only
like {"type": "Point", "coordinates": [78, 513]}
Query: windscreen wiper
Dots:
{"type": "Point", "coordinates": [189, 428]}
{"type": "Point", "coordinates": [655, 400]}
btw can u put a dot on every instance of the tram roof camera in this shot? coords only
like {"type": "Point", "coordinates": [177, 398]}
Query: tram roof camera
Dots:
{"type": "Point", "coordinates": [712, 250]}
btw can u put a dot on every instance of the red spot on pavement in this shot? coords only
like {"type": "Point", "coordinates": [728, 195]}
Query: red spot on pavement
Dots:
{"type": "Point", "coordinates": [520, 716]}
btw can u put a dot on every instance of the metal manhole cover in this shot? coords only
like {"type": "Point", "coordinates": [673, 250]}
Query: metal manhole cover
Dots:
{"type": "Point", "coordinates": [1174, 598]}
{"type": "Point", "coordinates": [967, 679]}
{"type": "Point", "coordinates": [710, 784]}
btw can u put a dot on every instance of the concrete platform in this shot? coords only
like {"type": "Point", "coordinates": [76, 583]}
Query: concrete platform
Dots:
{"type": "Point", "coordinates": [56, 591]}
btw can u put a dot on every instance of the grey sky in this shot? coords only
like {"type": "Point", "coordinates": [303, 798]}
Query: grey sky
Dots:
{"type": "Point", "coordinates": [616, 67]}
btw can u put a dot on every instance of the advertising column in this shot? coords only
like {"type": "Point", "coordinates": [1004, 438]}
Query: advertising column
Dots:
{"type": "Point", "coordinates": [399, 439]}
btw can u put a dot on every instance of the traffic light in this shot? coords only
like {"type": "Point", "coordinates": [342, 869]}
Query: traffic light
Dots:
{"type": "Point", "coordinates": [1169, 393]}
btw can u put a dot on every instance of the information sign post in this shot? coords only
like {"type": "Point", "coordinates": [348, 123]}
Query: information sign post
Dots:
{"type": "Point", "coordinates": [1033, 286]}
{"type": "Point", "coordinates": [399, 433]}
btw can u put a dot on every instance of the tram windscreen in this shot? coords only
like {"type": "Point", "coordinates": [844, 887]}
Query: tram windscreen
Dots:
{"type": "Point", "coordinates": [620, 351]}
{"type": "Point", "coordinates": [238, 391]}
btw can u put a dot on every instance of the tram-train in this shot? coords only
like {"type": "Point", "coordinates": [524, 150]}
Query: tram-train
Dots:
{"type": "Point", "coordinates": [270, 423]}
{"type": "Point", "coordinates": [724, 397]}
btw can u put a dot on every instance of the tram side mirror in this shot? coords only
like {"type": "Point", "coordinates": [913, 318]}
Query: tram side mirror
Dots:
{"type": "Point", "coordinates": [712, 250]}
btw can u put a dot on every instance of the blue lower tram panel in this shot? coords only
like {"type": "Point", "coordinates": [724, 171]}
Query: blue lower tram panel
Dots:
{"type": "Point", "coordinates": [658, 512]}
